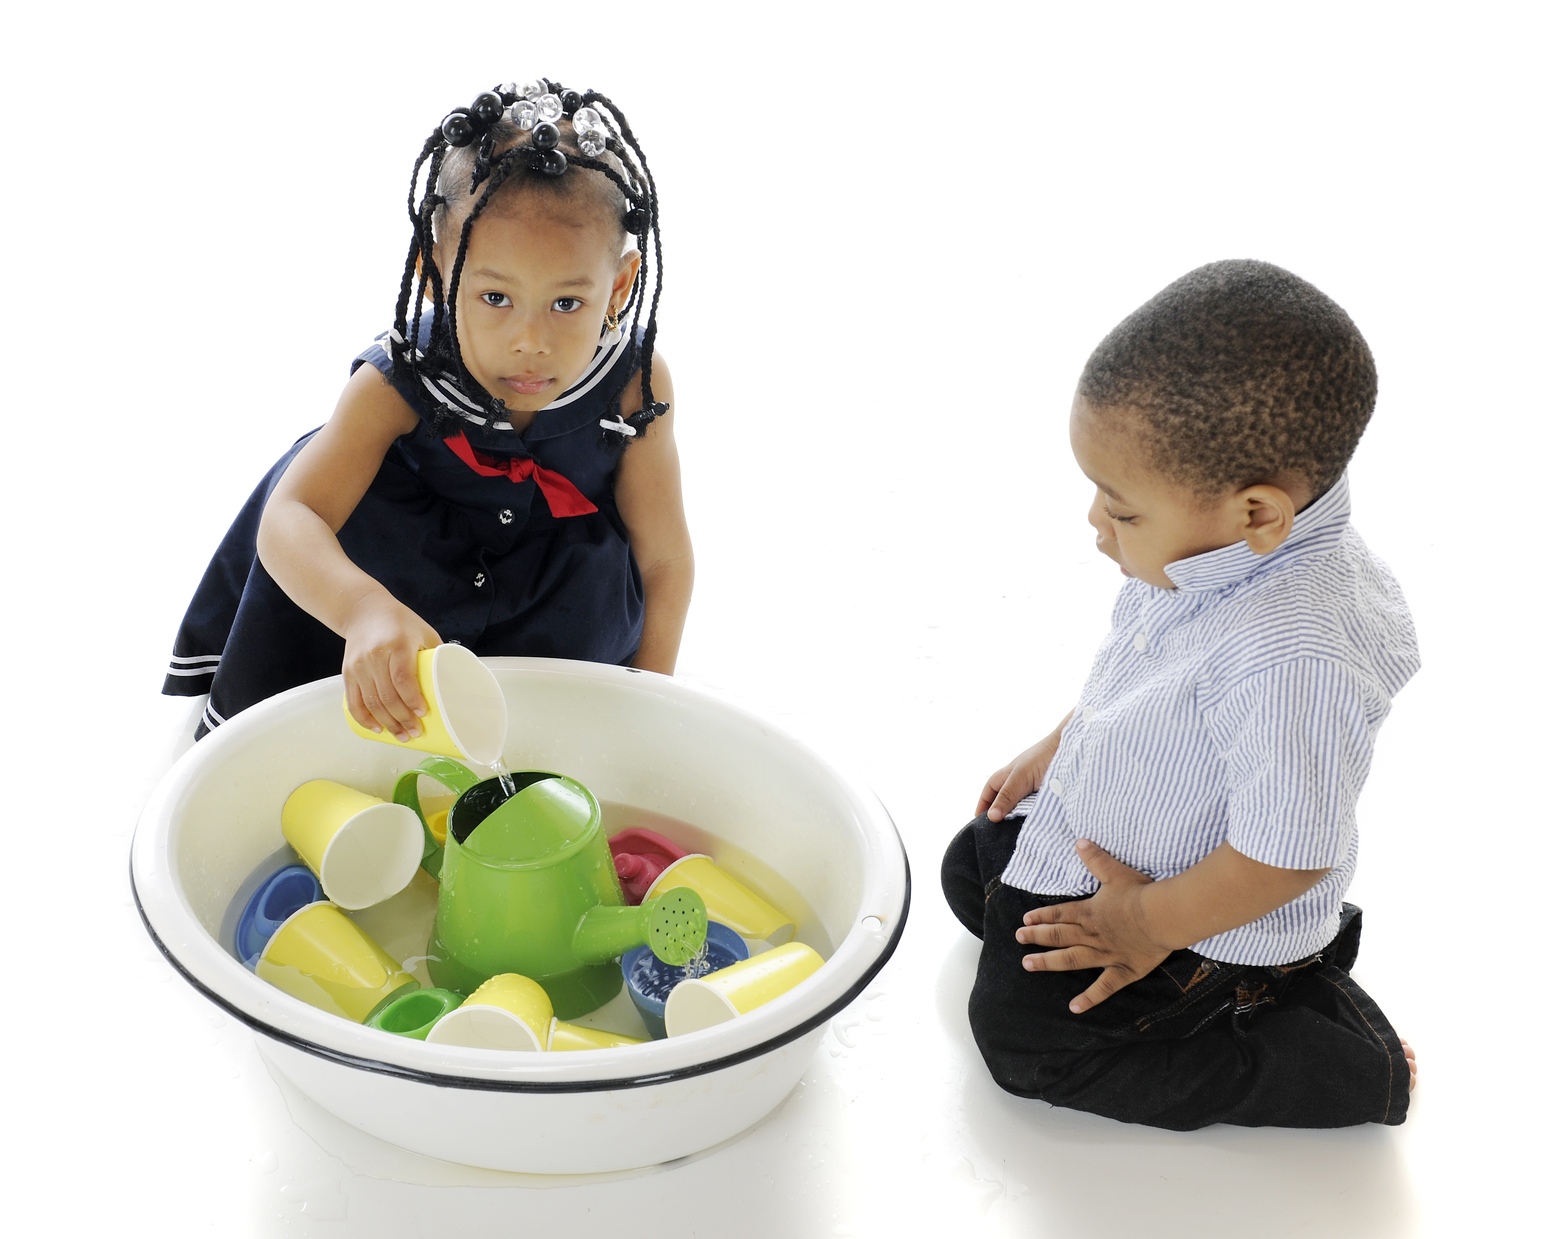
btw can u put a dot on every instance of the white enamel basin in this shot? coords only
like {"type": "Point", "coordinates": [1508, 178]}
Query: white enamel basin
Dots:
{"type": "Point", "coordinates": [633, 738]}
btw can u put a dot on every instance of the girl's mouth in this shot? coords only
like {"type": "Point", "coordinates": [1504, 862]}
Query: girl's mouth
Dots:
{"type": "Point", "coordinates": [525, 384]}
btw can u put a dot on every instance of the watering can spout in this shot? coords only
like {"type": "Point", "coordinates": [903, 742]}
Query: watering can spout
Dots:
{"type": "Point", "coordinates": [673, 925]}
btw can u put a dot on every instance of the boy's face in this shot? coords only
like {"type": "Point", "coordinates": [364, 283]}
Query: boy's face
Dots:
{"type": "Point", "coordinates": [1145, 521]}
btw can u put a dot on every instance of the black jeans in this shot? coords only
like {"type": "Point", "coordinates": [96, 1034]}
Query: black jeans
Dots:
{"type": "Point", "coordinates": [1192, 1043]}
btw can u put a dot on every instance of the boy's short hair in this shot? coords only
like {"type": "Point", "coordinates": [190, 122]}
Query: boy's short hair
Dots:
{"type": "Point", "coordinates": [1238, 373]}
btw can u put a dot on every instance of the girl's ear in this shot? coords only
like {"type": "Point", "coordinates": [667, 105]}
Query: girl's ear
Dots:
{"type": "Point", "coordinates": [629, 268]}
{"type": "Point", "coordinates": [1268, 514]}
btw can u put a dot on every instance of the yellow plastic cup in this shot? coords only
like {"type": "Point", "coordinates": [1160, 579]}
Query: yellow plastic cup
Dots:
{"type": "Point", "coordinates": [726, 899]}
{"type": "Point", "coordinates": [363, 850]}
{"type": "Point", "coordinates": [436, 824]}
{"type": "Point", "coordinates": [507, 1012]}
{"type": "Point", "coordinates": [710, 1000]}
{"type": "Point", "coordinates": [563, 1036]}
{"type": "Point", "coordinates": [323, 958]}
{"type": "Point", "coordinates": [466, 711]}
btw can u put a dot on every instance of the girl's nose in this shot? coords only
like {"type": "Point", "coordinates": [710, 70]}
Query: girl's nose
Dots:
{"type": "Point", "coordinates": [528, 334]}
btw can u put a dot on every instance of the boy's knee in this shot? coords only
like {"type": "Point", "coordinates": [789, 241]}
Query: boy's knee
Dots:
{"type": "Point", "coordinates": [1041, 1069]}
{"type": "Point", "coordinates": [962, 882]}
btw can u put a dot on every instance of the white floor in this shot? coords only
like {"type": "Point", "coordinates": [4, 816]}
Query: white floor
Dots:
{"type": "Point", "coordinates": [891, 242]}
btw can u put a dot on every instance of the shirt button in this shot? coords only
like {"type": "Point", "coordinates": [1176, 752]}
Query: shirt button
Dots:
{"type": "Point", "coordinates": [1056, 786]}
{"type": "Point", "coordinates": [478, 581]}
{"type": "Point", "coordinates": [506, 516]}
{"type": "Point", "coordinates": [1140, 641]}
{"type": "Point", "coordinates": [1088, 714]}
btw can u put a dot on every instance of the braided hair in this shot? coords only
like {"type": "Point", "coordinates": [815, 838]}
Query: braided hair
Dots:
{"type": "Point", "coordinates": [532, 136]}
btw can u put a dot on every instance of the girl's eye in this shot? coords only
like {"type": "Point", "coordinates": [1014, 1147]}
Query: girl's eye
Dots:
{"type": "Point", "coordinates": [1123, 520]}
{"type": "Point", "coordinates": [498, 300]}
{"type": "Point", "coordinates": [568, 305]}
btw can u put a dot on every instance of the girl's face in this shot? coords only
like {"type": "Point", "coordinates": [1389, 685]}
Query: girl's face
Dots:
{"type": "Point", "coordinates": [536, 283]}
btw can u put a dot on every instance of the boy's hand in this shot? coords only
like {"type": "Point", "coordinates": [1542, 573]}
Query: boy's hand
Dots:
{"type": "Point", "coordinates": [1107, 931]}
{"type": "Point", "coordinates": [1022, 776]}
{"type": "Point", "coordinates": [382, 642]}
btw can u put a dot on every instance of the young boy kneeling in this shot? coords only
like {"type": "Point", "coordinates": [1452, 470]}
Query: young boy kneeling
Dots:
{"type": "Point", "coordinates": [1165, 939]}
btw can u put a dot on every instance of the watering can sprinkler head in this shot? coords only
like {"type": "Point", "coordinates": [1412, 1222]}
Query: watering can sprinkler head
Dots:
{"type": "Point", "coordinates": [673, 925]}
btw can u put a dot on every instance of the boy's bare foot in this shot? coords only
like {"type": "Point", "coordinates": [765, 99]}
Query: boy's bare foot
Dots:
{"type": "Point", "coordinates": [1409, 1057]}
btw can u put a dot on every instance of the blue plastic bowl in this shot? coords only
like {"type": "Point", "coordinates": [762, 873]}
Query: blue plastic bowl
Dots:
{"type": "Point", "coordinates": [282, 893]}
{"type": "Point", "coordinates": [650, 981]}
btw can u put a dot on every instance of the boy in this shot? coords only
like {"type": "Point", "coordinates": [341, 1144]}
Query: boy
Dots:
{"type": "Point", "coordinates": [1165, 940]}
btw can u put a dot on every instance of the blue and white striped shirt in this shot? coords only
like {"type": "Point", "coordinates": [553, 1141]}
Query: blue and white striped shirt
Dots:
{"type": "Point", "coordinates": [1239, 708]}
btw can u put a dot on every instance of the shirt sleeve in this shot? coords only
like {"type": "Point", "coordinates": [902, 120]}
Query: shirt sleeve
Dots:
{"type": "Point", "coordinates": [1297, 740]}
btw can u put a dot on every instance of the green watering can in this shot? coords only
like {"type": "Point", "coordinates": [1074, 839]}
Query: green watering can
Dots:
{"type": "Point", "coordinates": [528, 886]}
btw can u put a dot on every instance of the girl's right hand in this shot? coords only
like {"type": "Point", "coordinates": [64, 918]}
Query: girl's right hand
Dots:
{"type": "Point", "coordinates": [382, 641]}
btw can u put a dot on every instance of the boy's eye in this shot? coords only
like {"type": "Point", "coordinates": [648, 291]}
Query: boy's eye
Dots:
{"type": "Point", "coordinates": [1123, 520]}
{"type": "Point", "coordinates": [567, 305]}
{"type": "Point", "coordinates": [497, 300]}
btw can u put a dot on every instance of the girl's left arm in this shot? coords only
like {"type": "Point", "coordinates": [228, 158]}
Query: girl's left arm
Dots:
{"type": "Point", "coordinates": [650, 498]}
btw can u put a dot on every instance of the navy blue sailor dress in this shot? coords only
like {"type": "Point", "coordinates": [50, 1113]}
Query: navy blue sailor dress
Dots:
{"type": "Point", "coordinates": [506, 541]}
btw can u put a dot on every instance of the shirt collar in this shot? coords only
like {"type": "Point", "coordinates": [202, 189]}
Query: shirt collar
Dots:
{"type": "Point", "coordinates": [1318, 524]}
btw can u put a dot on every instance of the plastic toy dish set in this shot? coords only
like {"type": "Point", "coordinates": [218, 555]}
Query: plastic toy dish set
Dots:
{"type": "Point", "coordinates": [429, 969]}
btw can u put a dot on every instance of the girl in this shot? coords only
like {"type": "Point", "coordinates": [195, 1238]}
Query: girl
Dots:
{"type": "Point", "coordinates": [500, 469]}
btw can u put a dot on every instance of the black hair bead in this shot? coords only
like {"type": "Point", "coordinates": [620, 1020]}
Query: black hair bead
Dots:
{"type": "Point", "coordinates": [545, 135]}
{"type": "Point", "coordinates": [457, 129]}
{"type": "Point", "coordinates": [571, 100]}
{"type": "Point", "coordinates": [555, 163]}
{"type": "Point", "coordinates": [486, 109]}
{"type": "Point", "coordinates": [637, 220]}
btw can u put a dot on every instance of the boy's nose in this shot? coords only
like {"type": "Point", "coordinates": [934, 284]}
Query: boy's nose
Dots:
{"type": "Point", "coordinates": [1097, 516]}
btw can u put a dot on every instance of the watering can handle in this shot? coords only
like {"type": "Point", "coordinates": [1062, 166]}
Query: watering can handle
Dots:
{"type": "Point", "coordinates": [452, 775]}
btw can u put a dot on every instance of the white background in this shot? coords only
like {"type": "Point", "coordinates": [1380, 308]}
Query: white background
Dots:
{"type": "Point", "coordinates": [892, 236]}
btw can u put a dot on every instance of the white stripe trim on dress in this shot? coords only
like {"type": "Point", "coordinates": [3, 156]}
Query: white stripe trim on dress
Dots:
{"type": "Point", "coordinates": [446, 392]}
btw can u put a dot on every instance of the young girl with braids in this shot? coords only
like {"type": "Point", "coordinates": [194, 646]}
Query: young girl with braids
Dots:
{"type": "Point", "coordinates": [500, 469]}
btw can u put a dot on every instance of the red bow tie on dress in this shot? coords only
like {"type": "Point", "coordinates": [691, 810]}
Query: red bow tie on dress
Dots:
{"type": "Point", "coordinates": [564, 498]}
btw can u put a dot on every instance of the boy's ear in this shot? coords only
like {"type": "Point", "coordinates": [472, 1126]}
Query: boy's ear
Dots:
{"type": "Point", "coordinates": [1267, 514]}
